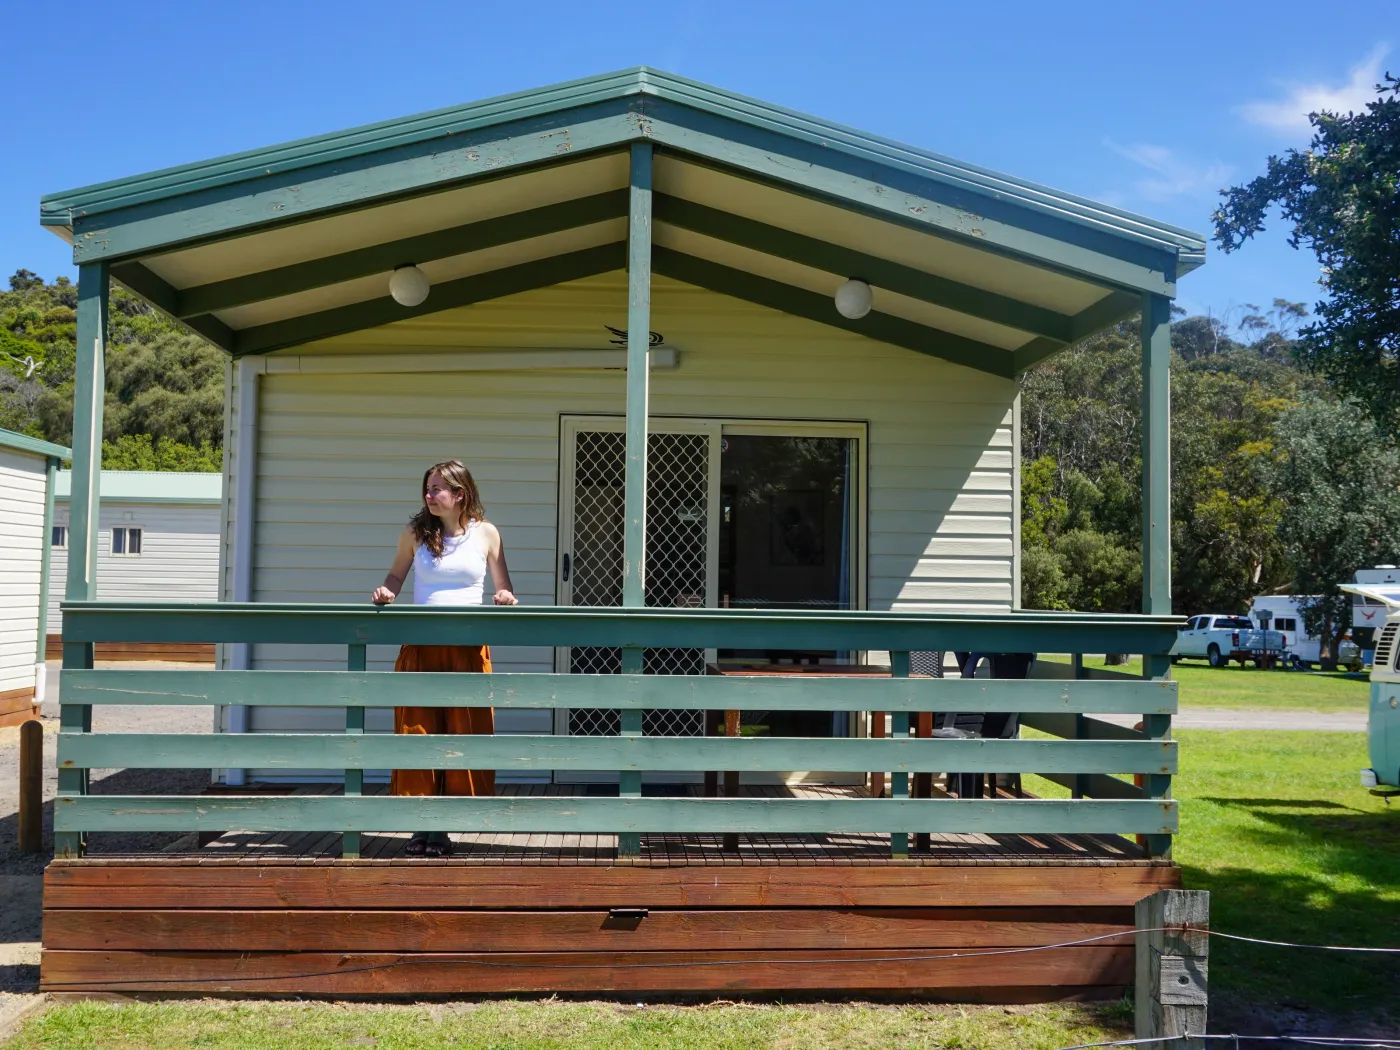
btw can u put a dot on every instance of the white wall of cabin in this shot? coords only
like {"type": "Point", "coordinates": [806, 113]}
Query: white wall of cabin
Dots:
{"type": "Point", "coordinates": [179, 559]}
{"type": "Point", "coordinates": [23, 479]}
{"type": "Point", "coordinates": [340, 456]}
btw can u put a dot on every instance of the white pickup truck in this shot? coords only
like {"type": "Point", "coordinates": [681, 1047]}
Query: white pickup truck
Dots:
{"type": "Point", "coordinates": [1220, 639]}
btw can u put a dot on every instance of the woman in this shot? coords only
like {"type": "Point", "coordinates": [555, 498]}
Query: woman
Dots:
{"type": "Point", "coordinates": [451, 546]}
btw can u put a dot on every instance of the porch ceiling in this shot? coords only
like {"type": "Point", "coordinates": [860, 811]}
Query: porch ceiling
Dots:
{"type": "Point", "coordinates": [271, 250]}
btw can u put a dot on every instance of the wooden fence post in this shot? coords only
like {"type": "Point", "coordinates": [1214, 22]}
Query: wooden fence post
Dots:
{"type": "Point", "coordinates": [1171, 961]}
{"type": "Point", "coordinates": [31, 786]}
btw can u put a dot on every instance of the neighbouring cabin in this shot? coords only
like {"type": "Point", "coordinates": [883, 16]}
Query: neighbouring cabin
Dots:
{"type": "Point", "coordinates": [158, 540]}
{"type": "Point", "coordinates": [739, 389]}
{"type": "Point", "coordinates": [27, 469]}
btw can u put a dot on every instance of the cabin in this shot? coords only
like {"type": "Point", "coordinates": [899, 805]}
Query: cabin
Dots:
{"type": "Point", "coordinates": [158, 539]}
{"type": "Point", "coordinates": [739, 388]}
{"type": "Point", "coordinates": [27, 469]}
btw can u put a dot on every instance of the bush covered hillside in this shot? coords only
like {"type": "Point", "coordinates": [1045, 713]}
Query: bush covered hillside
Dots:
{"type": "Point", "coordinates": [1277, 485]}
{"type": "Point", "coordinates": [165, 386]}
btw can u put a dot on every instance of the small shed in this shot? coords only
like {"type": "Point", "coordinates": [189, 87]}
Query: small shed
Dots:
{"type": "Point", "coordinates": [158, 540]}
{"type": "Point", "coordinates": [27, 482]}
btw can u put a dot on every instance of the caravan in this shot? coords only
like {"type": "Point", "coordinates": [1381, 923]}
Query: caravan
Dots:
{"type": "Point", "coordinates": [1383, 725]}
{"type": "Point", "coordinates": [1279, 612]}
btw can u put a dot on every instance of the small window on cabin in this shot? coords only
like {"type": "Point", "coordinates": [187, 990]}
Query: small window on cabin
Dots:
{"type": "Point", "coordinates": [126, 540]}
{"type": "Point", "coordinates": [59, 539]}
{"type": "Point", "coordinates": [1286, 623]}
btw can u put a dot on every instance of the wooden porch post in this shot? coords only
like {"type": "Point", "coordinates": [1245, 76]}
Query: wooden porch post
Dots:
{"type": "Point", "coordinates": [1156, 456]}
{"type": "Point", "coordinates": [634, 532]}
{"type": "Point", "coordinates": [89, 393]}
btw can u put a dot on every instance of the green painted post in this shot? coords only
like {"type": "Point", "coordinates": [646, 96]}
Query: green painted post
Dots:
{"type": "Point", "coordinates": [1156, 456]}
{"type": "Point", "coordinates": [1157, 727]}
{"type": "Point", "coordinates": [634, 535]}
{"type": "Point", "coordinates": [354, 778]}
{"type": "Point", "coordinates": [89, 393]}
{"type": "Point", "coordinates": [899, 730]}
{"type": "Point", "coordinates": [638, 341]}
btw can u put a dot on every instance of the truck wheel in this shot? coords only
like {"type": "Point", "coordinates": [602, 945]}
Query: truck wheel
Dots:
{"type": "Point", "coordinates": [1215, 657]}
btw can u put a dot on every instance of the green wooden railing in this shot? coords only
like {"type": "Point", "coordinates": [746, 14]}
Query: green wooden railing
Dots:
{"type": "Point", "coordinates": [1088, 754]}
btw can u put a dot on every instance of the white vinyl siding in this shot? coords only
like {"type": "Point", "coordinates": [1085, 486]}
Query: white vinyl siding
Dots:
{"type": "Point", "coordinates": [179, 559]}
{"type": "Point", "coordinates": [340, 456]}
{"type": "Point", "coordinates": [23, 478]}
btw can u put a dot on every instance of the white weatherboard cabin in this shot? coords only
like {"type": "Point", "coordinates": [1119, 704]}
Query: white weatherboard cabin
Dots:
{"type": "Point", "coordinates": [739, 389]}
{"type": "Point", "coordinates": [27, 470]}
{"type": "Point", "coordinates": [158, 541]}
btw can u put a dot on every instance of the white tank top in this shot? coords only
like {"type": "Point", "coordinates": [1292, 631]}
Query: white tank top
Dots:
{"type": "Point", "coordinates": [457, 578]}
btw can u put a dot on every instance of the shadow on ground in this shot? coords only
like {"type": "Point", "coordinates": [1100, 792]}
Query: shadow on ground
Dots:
{"type": "Point", "coordinates": [1348, 897]}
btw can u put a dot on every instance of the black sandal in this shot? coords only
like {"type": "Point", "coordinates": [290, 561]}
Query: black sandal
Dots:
{"type": "Point", "coordinates": [417, 846]}
{"type": "Point", "coordinates": [439, 845]}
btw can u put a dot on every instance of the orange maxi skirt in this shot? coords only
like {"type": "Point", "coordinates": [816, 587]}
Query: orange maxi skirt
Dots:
{"type": "Point", "coordinates": [443, 720]}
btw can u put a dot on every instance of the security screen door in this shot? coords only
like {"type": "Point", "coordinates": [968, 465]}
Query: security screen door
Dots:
{"type": "Point", "coordinates": [682, 461]}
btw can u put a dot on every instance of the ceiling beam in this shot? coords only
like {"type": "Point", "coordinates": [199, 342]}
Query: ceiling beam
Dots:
{"type": "Point", "coordinates": [1107, 311]}
{"type": "Point", "coordinates": [159, 293]}
{"type": "Point", "coordinates": [815, 306]}
{"type": "Point", "coordinates": [847, 262]}
{"type": "Point", "coordinates": [381, 258]}
{"type": "Point", "coordinates": [464, 291]}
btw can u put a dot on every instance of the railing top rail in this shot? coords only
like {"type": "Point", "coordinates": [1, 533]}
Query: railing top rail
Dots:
{"type": "Point", "coordinates": [323, 623]}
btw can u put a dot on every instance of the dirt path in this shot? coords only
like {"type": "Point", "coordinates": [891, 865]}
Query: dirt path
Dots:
{"type": "Point", "coordinates": [1253, 718]}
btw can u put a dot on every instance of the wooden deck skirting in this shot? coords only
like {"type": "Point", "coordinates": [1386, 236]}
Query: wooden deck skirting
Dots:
{"type": "Point", "coordinates": [175, 652]}
{"type": "Point", "coordinates": [16, 706]}
{"type": "Point", "coordinates": [264, 914]}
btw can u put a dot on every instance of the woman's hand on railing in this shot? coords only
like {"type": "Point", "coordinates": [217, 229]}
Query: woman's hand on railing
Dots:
{"type": "Point", "coordinates": [382, 596]}
{"type": "Point", "coordinates": [504, 597]}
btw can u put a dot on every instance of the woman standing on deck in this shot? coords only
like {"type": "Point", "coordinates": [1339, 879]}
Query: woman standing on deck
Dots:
{"type": "Point", "coordinates": [451, 546]}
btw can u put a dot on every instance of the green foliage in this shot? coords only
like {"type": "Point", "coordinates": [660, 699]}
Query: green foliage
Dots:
{"type": "Point", "coordinates": [164, 384]}
{"type": "Point", "coordinates": [1080, 491]}
{"type": "Point", "coordinates": [1341, 477]}
{"type": "Point", "coordinates": [142, 452]}
{"type": "Point", "coordinates": [1342, 196]}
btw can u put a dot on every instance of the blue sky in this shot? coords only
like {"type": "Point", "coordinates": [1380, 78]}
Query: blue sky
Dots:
{"type": "Point", "coordinates": [1153, 108]}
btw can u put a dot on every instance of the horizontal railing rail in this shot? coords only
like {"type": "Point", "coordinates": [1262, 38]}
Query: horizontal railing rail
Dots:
{"type": "Point", "coordinates": [1089, 755]}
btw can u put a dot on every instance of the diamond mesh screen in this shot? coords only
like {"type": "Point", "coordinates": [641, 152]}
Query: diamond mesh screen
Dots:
{"type": "Point", "coordinates": [677, 543]}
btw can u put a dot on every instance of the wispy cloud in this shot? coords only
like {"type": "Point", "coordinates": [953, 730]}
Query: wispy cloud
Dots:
{"type": "Point", "coordinates": [1290, 113]}
{"type": "Point", "coordinates": [1169, 174]}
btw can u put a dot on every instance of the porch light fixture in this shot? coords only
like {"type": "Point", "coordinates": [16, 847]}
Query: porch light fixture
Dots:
{"type": "Point", "coordinates": [408, 285]}
{"type": "Point", "coordinates": [853, 299]}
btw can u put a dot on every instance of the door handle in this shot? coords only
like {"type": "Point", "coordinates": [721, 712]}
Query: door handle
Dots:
{"type": "Point", "coordinates": [566, 568]}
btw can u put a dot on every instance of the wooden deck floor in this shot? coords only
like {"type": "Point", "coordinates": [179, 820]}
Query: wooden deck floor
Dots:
{"type": "Point", "coordinates": [657, 850]}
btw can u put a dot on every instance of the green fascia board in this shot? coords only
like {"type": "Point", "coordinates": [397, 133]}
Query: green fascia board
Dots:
{"type": "Point", "coordinates": [528, 691]}
{"type": "Point", "coordinates": [505, 814]}
{"type": "Point", "coordinates": [509, 280]}
{"type": "Point", "coordinates": [814, 306]}
{"type": "Point", "coordinates": [205, 201]}
{"type": "Point", "coordinates": [847, 262]}
{"type": "Point", "coordinates": [381, 258]}
{"type": "Point", "coordinates": [149, 486]}
{"type": "Point", "coordinates": [545, 625]}
{"type": "Point", "coordinates": [534, 753]}
{"type": "Point", "coordinates": [24, 443]}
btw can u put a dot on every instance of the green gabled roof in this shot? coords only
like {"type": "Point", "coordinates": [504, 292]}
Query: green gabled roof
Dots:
{"type": "Point", "coordinates": [638, 85]}
{"type": "Point", "coordinates": [25, 443]}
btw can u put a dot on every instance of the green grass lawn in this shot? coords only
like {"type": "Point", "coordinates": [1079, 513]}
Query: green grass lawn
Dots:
{"type": "Point", "coordinates": [1236, 687]}
{"type": "Point", "coordinates": [1275, 825]}
{"type": "Point", "coordinates": [556, 1025]}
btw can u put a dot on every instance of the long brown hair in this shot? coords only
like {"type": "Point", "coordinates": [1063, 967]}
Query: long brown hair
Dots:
{"type": "Point", "coordinates": [427, 526]}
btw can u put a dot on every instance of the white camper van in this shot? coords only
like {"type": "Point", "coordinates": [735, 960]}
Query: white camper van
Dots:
{"type": "Point", "coordinates": [1383, 724]}
{"type": "Point", "coordinates": [1279, 612]}
{"type": "Point", "coordinates": [1367, 613]}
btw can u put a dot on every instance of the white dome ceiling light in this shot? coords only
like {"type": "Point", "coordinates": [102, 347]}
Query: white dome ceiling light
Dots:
{"type": "Point", "coordinates": [854, 299]}
{"type": "Point", "coordinates": [409, 285]}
